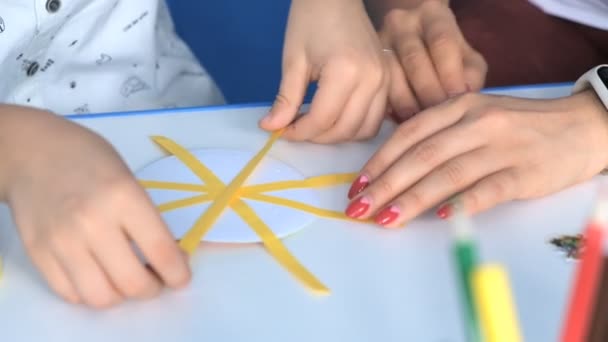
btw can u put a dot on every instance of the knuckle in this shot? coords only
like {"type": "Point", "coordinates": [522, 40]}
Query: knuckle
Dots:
{"type": "Point", "coordinates": [412, 59]}
{"type": "Point", "coordinates": [414, 199]}
{"type": "Point", "coordinates": [498, 190]}
{"type": "Point", "coordinates": [282, 101]}
{"type": "Point", "coordinates": [348, 64]}
{"type": "Point", "coordinates": [384, 186]}
{"type": "Point", "coordinates": [494, 119]}
{"type": "Point", "coordinates": [440, 40]}
{"type": "Point", "coordinates": [136, 287]}
{"type": "Point", "coordinates": [60, 238]}
{"type": "Point", "coordinates": [376, 165]}
{"type": "Point", "coordinates": [369, 133]}
{"type": "Point", "coordinates": [426, 153]}
{"type": "Point", "coordinates": [471, 199]}
{"type": "Point", "coordinates": [396, 17]}
{"type": "Point", "coordinates": [322, 122]}
{"type": "Point", "coordinates": [454, 173]}
{"type": "Point", "coordinates": [407, 130]}
{"type": "Point", "coordinates": [120, 189]}
{"type": "Point", "coordinates": [99, 295]}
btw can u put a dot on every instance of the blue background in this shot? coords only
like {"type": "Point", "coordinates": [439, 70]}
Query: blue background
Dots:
{"type": "Point", "coordinates": [238, 41]}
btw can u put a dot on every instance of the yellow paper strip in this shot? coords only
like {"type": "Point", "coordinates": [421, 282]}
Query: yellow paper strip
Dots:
{"type": "Point", "coordinates": [185, 202]}
{"type": "Point", "coordinates": [202, 226]}
{"type": "Point", "coordinates": [203, 172]}
{"type": "Point", "coordinates": [229, 196]}
{"type": "Point", "coordinates": [173, 186]}
{"type": "Point", "coordinates": [312, 182]}
{"type": "Point", "coordinates": [495, 304]}
{"type": "Point", "coordinates": [277, 249]}
{"type": "Point", "coordinates": [299, 206]}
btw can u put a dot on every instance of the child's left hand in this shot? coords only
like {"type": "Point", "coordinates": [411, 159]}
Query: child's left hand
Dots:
{"type": "Point", "coordinates": [333, 42]}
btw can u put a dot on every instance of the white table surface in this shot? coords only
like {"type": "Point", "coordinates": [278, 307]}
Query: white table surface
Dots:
{"type": "Point", "coordinates": [386, 285]}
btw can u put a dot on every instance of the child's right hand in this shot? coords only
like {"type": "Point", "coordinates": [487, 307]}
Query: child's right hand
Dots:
{"type": "Point", "coordinates": [78, 210]}
{"type": "Point", "coordinates": [432, 61]}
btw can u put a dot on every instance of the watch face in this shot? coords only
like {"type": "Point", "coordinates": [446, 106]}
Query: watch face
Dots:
{"type": "Point", "coordinates": [603, 74]}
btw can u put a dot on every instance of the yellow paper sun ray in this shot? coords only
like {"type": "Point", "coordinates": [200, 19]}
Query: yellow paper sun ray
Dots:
{"type": "Point", "coordinates": [225, 196]}
{"type": "Point", "coordinates": [228, 196]}
{"type": "Point", "coordinates": [284, 202]}
{"type": "Point", "coordinates": [308, 183]}
{"type": "Point", "coordinates": [185, 202]}
{"type": "Point", "coordinates": [148, 184]}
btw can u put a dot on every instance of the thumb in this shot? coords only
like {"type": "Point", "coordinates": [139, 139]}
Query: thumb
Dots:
{"type": "Point", "coordinates": [289, 99]}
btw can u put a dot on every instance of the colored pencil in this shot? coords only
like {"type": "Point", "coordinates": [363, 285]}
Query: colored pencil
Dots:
{"type": "Point", "coordinates": [583, 291]}
{"type": "Point", "coordinates": [465, 257]}
{"type": "Point", "coordinates": [598, 328]}
{"type": "Point", "coordinates": [495, 304]}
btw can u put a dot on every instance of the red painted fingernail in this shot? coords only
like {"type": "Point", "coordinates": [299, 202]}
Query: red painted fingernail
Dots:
{"type": "Point", "coordinates": [359, 185]}
{"type": "Point", "coordinates": [445, 211]}
{"type": "Point", "coordinates": [469, 88]}
{"type": "Point", "coordinates": [388, 215]}
{"type": "Point", "coordinates": [358, 208]}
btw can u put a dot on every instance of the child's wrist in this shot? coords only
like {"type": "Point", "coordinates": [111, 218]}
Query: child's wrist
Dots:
{"type": "Point", "coordinates": [19, 126]}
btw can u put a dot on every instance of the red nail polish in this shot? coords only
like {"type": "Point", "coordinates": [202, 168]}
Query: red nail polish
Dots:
{"type": "Point", "coordinates": [359, 185]}
{"type": "Point", "coordinates": [469, 89]}
{"type": "Point", "coordinates": [445, 211]}
{"type": "Point", "coordinates": [388, 215]}
{"type": "Point", "coordinates": [358, 208]}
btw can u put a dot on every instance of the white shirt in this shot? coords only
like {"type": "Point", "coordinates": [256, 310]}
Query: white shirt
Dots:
{"type": "Point", "coordinates": [592, 13]}
{"type": "Point", "coordinates": [91, 56]}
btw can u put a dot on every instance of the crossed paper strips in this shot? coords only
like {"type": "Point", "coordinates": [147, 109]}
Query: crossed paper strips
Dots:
{"type": "Point", "coordinates": [223, 196]}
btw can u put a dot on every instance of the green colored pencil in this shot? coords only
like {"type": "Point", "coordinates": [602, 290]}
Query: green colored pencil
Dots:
{"type": "Point", "coordinates": [466, 260]}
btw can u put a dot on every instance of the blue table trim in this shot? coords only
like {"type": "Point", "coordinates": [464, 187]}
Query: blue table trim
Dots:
{"type": "Point", "coordinates": [267, 104]}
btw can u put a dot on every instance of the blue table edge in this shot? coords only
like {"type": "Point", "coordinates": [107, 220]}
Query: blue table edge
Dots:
{"type": "Point", "coordinates": [267, 104]}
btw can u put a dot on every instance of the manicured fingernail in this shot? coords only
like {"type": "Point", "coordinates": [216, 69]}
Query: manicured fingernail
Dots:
{"type": "Point", "coordinates": [388, 215]}
{"type": "Point", "coordinates": [267, 118]}
{"type": "Point", "coordinates": [445, 211]}
{"type": "Point", "coordinates": [358, 208]}
{"type": "Point", "coordinates": [469, 88]}
{"type": "Point", "coordinates": [358, 185]}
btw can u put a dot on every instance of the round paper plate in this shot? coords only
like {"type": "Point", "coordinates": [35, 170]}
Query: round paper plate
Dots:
{"type": "Point", "coordinates": [226, 164]}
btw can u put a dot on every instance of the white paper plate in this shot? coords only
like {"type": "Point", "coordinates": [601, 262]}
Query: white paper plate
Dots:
{"type": "Point", "coordinates": [226, 164]}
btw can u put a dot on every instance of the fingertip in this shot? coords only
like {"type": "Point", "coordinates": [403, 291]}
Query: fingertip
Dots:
{"type": "Point", "coordinates": [183, 276]}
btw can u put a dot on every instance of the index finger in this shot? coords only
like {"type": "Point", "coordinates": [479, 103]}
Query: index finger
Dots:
{"type": "Point", "coordinates": [335, 87]}
{"type": "Point", "coordinates": [409, 133]}
{"type": "Point", "coordinates": [144, 225]}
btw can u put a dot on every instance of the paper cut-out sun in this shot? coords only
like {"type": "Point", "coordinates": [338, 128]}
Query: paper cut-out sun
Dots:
{"type": "Point", "coordinates": [203, 187]}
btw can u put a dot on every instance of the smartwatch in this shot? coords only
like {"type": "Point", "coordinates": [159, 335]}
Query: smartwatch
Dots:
{"type": "Point", "coordinates": [596, 78]}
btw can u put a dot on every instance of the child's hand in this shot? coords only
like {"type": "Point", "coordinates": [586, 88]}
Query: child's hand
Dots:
{"type": "Point", "coordinates": [491, 149]}
{"type": "Point", "coordinates": [78, 209]}
{"type": "Point", "coordinates": [432, 61]}
{"type": "Point", "coordinates": [334, 42]}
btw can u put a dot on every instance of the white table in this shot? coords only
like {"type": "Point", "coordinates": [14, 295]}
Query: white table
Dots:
{"type": "Point", "coordinates": [386, 285]}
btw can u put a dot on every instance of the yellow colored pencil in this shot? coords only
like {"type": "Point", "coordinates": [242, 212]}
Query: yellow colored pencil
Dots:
{"type": "Point", "coordinates": [494, 303]}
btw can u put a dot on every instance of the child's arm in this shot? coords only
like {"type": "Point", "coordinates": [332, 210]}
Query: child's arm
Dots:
{"type": "Point", "coordinates": [78, 209]}
{"type": "Point", "coordinates": [432, 60]}
{"type": "Point", "coordinates": [332, 42]}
